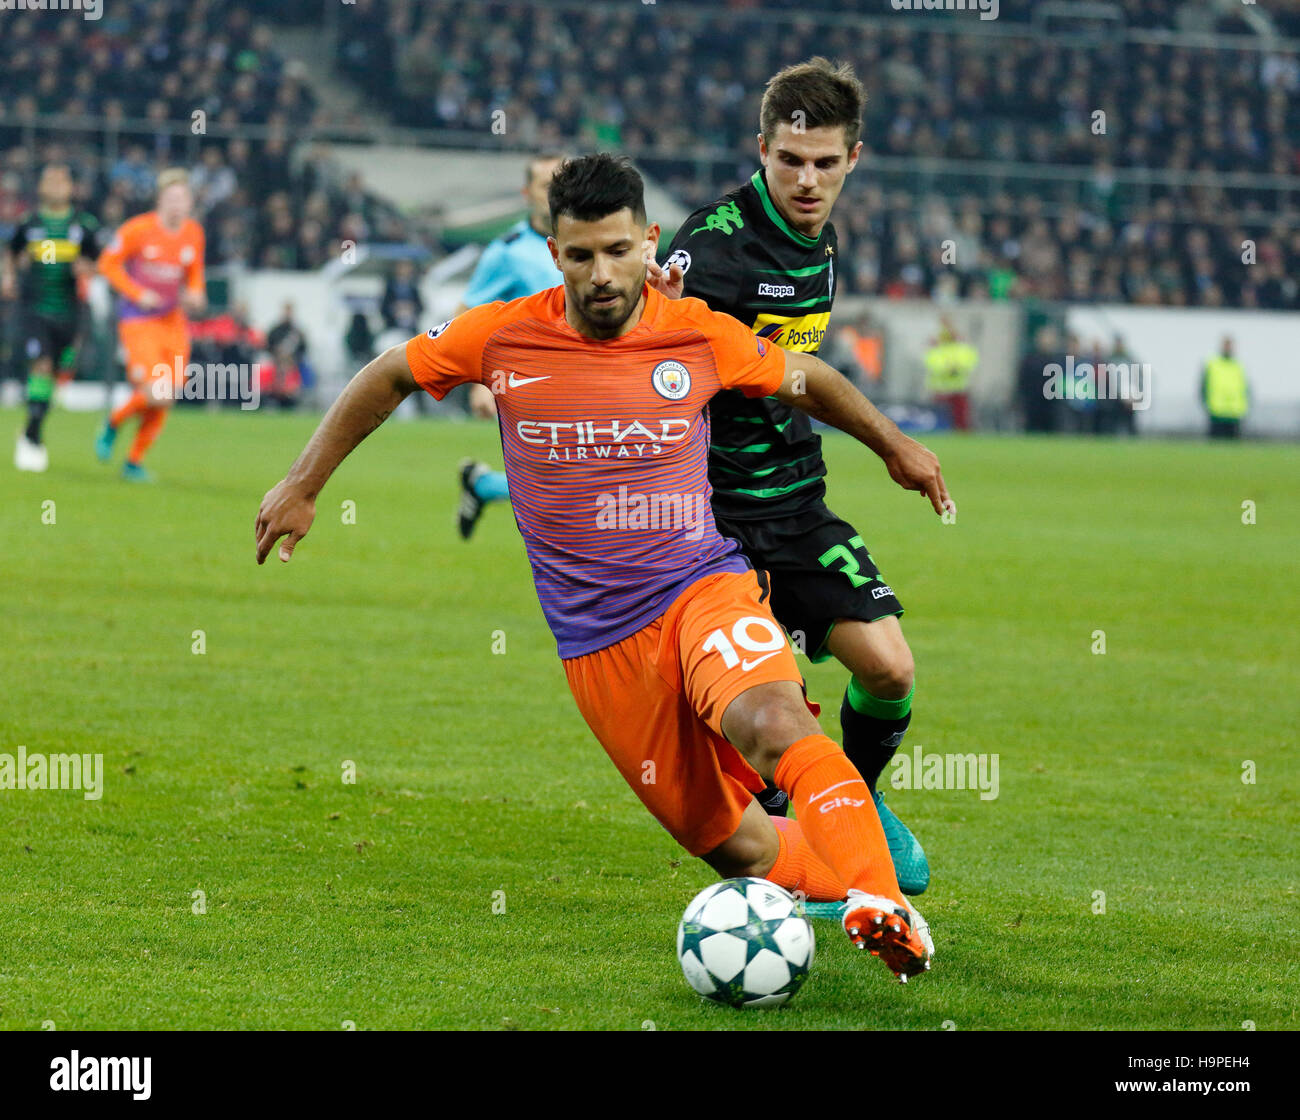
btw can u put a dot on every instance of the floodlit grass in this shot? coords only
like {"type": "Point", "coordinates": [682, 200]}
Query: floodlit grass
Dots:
{"type": "Point", "coordinates": [374, 902]}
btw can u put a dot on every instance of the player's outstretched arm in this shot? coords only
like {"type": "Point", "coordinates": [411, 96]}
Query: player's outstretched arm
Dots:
{"type": "Point", "coordinates": [826, 394]}
{"type": "Point", "coordinates": [369, 399]}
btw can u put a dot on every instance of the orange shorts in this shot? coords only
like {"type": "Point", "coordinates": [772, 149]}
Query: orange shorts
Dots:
{"type": "Point", "coordinates": [655, 701]}
{"type": "Point", "coordinates": [158, 340]}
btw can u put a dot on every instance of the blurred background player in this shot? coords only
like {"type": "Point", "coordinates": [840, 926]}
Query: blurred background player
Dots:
{"type": "Point", "coordinates": [766, 254]}
{"type": "Point", "coordinates": [515, 265]}
{"type": "Point", "coordinates": [155, 263]}
{"type": "Point", "coordinates": [55, 247]}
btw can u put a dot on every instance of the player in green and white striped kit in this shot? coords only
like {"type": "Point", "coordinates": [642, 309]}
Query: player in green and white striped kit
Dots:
{"type": "Point", "coordinates": [50, 248]}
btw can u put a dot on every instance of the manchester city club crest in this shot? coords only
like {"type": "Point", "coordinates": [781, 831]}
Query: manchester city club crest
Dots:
{"type": "Point", "coordinates": [671, 380]}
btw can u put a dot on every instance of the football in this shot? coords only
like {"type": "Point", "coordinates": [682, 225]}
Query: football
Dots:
{"type": "Point", "coordinates": [746, 943]}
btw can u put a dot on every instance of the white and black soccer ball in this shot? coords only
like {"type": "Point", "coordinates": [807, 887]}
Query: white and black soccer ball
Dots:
{"type": "Point", "coordinates": [745, 942]}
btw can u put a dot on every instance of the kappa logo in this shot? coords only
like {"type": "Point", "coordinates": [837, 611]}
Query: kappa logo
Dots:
{"type": "Point", "coordinates": [671, 380]}
{"type": "Point", "coordinates": [723, 219]}
{"type": "Point", "coordinates": [681, 258]}
{"type": "Point", "coordinates": [776, 291]}
{"type": "Point", "coordinates": [882, 591]}
{"type": "Point", "coordinates": [434, 332]}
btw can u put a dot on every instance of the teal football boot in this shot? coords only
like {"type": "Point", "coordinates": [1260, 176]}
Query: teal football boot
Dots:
{"type": "Point", "coordinates": [910, 864]}
{"type": "Point", "coordinates": [104, 442]}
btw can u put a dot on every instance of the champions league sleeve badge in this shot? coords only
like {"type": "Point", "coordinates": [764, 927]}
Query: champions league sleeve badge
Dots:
{"type": "Point", "coordinates": [679, 257]}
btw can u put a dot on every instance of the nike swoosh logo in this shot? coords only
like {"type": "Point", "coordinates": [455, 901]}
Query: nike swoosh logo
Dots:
{"type": "Point", "coordinates": [746, 665]}
{"type": "Point", "coordinates": [514, 381]}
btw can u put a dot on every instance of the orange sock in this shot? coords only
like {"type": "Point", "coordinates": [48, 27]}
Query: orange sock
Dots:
{"type": "Point", "coordinates": [135, 403]}
{"type": "Point", "coordinates": [150, 426]}
{"type": "Point", "coordinates": [837, 814]}
{"type": "Point", "coordinates": [797, 867]}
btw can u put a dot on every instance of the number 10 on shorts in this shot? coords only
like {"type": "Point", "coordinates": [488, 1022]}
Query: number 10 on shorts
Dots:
{"type": "Point", "coordinates": [772, 642]}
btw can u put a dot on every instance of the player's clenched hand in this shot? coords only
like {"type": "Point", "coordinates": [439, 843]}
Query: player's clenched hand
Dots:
{"type": "Point", "coordinates": [669, 281]}
{"type": "Point", "coordinates": [285, 511]}
{"type": "Point", "coordinates": [915, 467]}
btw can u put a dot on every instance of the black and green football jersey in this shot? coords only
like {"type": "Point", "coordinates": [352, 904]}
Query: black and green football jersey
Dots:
{"type": "Point", "coordinates": [50, 245]}
{"type": "Point", "coordinates": [743, 258]}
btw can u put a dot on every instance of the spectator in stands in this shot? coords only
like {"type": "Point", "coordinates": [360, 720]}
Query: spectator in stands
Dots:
{"type": "Point", "coordinates": [132, 176]}
{"type": "Point", "coordinates": [934, 89]}
{"type": "Point", "coordinates": [360, 340]}
{"type": "Point", "coordinates": [281, 379]}
{"type": "Point", "coordinates": [213, 181]}
{"type": "Point", "coordinates": [402, 287]}
{"type": "Point", "coordinates": [1037, 410]}
{"type": "Point", "coordinates": [226, 338]}
{"type": "Point", "coordinates": [285, 371]}
{"type": "Point", "coordinates": [286, 336]}
{"type": "Point", "coordinates": [1115, 389]}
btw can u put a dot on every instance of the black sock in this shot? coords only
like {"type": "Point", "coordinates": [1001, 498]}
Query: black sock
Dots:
{"type": "Point", "coordinates": [774, 800]}
{"type": "Point", "coordinates": [36, 411]}
{"type": "Point", "coordinates": [870, 741]}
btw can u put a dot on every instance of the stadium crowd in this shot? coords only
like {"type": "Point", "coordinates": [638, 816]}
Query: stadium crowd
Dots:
{"type": "Point", "coordinates": [163, 64]}
{"type": "Point", "coordinates": [601, 77]}
{"type": "Point", "coordinates": [662, 80]}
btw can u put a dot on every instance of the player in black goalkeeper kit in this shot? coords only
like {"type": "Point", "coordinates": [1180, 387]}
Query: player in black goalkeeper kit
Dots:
{"type": "Point", "coordinates": [51, 246]}
{"type": "Point", "coordinates": [766, 253]}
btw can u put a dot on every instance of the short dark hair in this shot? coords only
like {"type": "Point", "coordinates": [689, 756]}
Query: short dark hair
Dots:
{"type": "Point", "coordinates": [826, 94]}
{"type": "Point", "coordinates": [589, 188]}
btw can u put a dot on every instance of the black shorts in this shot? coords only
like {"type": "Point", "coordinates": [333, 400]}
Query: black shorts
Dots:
{"type": "Point", "coordinates": [50, 338]}
{"type": "Point", "coordinates": [821, 572]}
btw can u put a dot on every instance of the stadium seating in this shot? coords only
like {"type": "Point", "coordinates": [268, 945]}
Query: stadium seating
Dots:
{"type": "Point", "coordinates": [979, 135]}
{"type": "Point", "coordinates": [165, 62]}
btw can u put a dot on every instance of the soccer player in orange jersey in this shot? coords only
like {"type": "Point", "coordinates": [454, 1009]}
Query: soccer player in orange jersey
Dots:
{"type": "Point", "coordinates": [155, 263]}
{"type": "Point", "coordinates": [666, 634]}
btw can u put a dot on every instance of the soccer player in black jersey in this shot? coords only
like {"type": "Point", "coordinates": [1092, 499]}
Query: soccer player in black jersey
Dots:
{"type": "Point", "coordinates": [52, 246]}
{"type": "Point", "coordinates": [766, 253]}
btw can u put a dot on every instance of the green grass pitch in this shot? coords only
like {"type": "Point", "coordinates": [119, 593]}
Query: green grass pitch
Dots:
{"type": "Point", "coordinates": [373, 903]}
